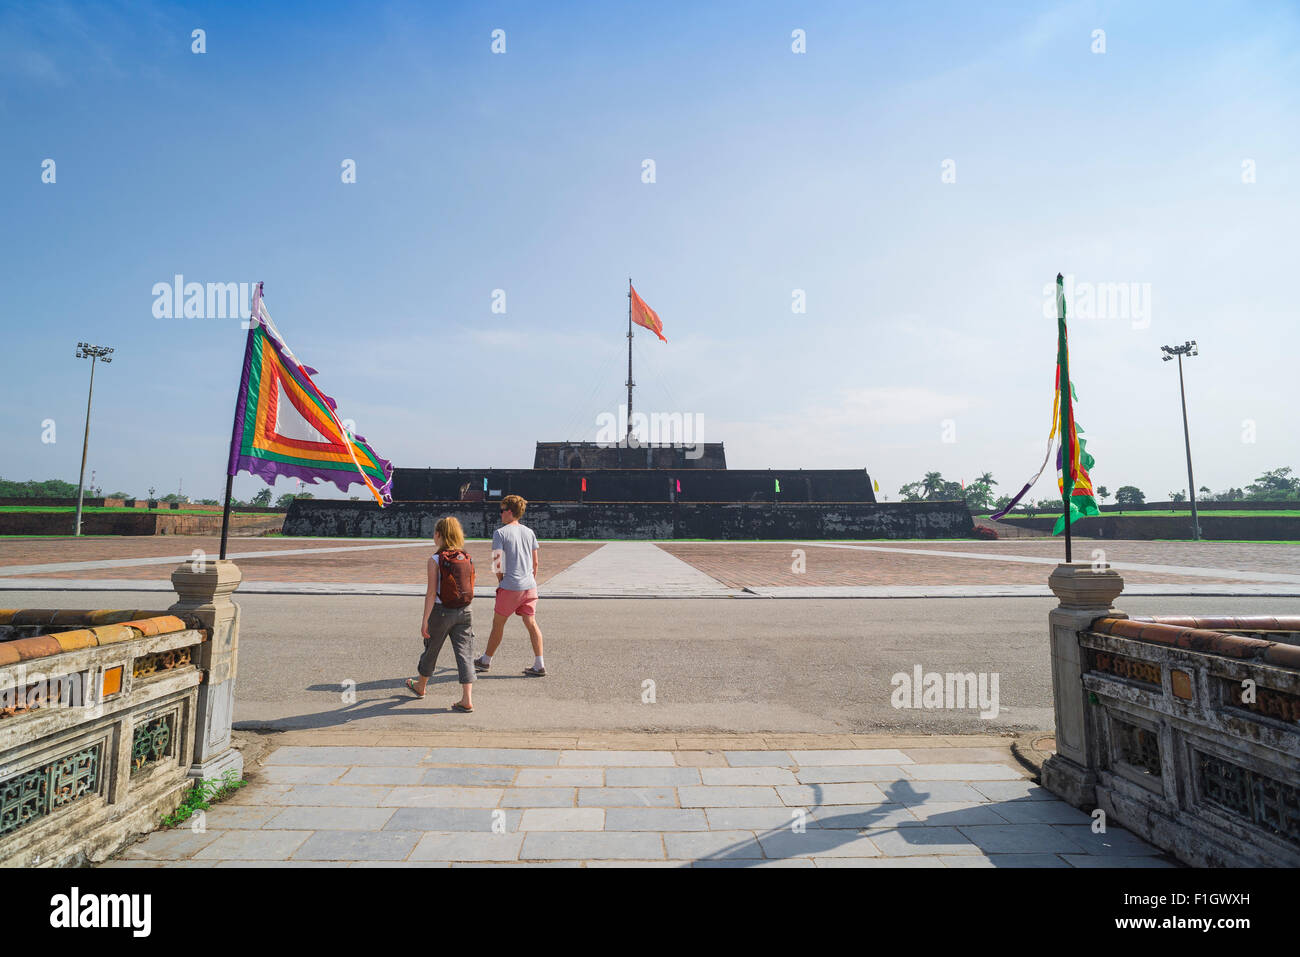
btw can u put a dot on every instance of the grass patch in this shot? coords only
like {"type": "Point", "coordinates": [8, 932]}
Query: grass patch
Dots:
{"type": "Point", "coordinates": [202, 796]}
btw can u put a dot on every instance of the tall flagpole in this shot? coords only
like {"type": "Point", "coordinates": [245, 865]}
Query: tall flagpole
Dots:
{"type": "Point", "coordinates": [1067, 415]}
{"type": "Point", "coordinates": [629, 359]}
{"type": "Point", "coordinates": [234, 425]}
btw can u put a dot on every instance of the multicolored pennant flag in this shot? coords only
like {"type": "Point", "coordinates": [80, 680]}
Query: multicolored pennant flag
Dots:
{"type": "Point", "coordinates": [1081, 494]}
{"type": "Point", "coordinates": [285, 426]}
{"type": "Point", "coordinates": [643, 315]}
{"type": "Point", "coordinates": [1072, 459]}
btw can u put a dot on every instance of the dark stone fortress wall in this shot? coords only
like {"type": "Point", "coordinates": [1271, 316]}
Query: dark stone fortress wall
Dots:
{"type": "Point", "coordinates": [638, 485]}
{"type": "Point", "coordinates": [640, 520]}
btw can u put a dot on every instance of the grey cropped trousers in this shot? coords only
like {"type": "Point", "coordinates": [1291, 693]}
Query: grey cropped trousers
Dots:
{"type": "Point", "coordinates": [457, 624]}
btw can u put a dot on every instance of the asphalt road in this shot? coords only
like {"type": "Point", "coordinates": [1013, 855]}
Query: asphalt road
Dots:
{"type": "Point", "coordinates": [741, 664]}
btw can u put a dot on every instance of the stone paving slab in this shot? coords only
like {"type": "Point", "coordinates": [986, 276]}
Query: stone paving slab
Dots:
{"type": "Point", "coordinates": [607, 845]}
{"type": "Point", "coordinates": [468, 847]}
{"type": "Point", "coordinates": [837, 758]}
{"type": "Point", "coordinates": [750, 775]}
{"type": "Point", "coordinates": [330, 818]}
{"type": "Point", "coordinates": [651, 777]}
{"type": "Point", "coordinates": [963, 803]}
{"type": "Point", "coordinates": [356, 846]}
{"type": "Point", "coordinates": [481, 820]}
{"type": "Point", "coordinates": [848, 774]}
{"type": "Point", "coordinates": [627, 797]}
{"type": "Point", "coordinates": [634, 759]}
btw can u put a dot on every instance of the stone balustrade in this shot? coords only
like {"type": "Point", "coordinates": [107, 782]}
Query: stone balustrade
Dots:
{"type": "Point", "coordinates": [1183, 729]}
{"type": "Point", "coordinates": [107, 716]}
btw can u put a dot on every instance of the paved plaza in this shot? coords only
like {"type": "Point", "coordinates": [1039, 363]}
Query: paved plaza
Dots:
{"type": "Point", "coordinates": [675, 569]}
{"type": "Point", "coordinates": [411, 800]}
{"type": "Point", "coordinates": [735, 700]}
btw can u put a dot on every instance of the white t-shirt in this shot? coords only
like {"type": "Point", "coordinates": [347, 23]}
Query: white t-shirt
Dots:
{"type": "Point", "coordinates": [515, 544]}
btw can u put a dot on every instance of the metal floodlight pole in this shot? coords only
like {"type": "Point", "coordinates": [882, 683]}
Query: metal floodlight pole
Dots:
{"type": "Point", "coordinates": [1188, 348]}
{"type": "Point", "coordinates": [87, 351]}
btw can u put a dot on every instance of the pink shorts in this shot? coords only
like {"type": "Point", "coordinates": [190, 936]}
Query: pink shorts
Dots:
{"type": "Point", "coordinates": [522, 603]}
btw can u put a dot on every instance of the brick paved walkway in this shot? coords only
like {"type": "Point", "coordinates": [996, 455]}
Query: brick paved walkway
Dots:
{"type": "Point", "coordinates": [642, 800]}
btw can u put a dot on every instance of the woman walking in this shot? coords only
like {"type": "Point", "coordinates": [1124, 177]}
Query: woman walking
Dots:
{"type": "Point", "coordinates": [447, 611]}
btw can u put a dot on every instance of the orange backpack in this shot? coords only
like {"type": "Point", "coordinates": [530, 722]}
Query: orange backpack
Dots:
{"type": "Point", "coordinates": [455, 578]}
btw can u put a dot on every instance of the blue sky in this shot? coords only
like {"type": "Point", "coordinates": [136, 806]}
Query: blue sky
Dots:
{"type": "Point", "coordinates": [775, 171]}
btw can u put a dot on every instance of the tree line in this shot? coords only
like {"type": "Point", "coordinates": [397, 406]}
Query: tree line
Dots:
{"type": "Point", "coordinates": [57, 488]}
{"type": "Point", "coordinates": [1275, 485]}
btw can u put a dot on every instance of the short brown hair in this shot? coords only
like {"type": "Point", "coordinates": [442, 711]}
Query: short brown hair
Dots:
{"type": "Point", "coordinates": [516, 504]}
{"type": "Point", "coordinates": [453, 536]}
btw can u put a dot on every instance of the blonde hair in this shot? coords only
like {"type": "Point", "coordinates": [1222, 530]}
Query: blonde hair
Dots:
{"type": "Point", "coordinates": [516, 504]}
{"type": "Point", "coordinates": [453, 536]}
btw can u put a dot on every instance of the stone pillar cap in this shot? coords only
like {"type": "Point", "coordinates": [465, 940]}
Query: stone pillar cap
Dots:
{"type": "Point", "coordinates": [203, 580]}
{"type": "Point", "coordinates": [1085, 584]}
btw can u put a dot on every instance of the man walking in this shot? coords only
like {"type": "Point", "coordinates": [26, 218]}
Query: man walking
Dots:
{"type": "Point", "coordinates": [514, 559]}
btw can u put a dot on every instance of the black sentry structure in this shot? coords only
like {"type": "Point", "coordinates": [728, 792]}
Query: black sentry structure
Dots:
{"type": "Point", "coordinates": [87, 351]}
{"type": "Point", "coordinates": [1188, 348]}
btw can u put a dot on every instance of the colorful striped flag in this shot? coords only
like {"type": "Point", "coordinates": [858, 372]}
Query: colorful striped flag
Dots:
{"type": "Point", "coordinates": [1081, 495]}
{"type": "Point", "coordinates": [1072, 458]}
{"type": "Point", "coordinates": [285, 426]}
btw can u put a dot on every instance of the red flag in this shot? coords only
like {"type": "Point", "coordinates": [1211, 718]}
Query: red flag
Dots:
{"type": "Point", "coordinates": [679, 485]}
{"type": "Point", "coordinates": [643, 315]}
{"type": "Point", "coordinates": [584, 484]}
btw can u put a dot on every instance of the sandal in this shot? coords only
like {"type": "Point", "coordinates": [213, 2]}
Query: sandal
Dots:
{"type": "Point", "coordinates": [461, 708]}
{"type": "Point", "coordinates": [410, 684]}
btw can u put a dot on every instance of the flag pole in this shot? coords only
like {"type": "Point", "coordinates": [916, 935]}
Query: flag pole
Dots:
{"type": "Point", "coordinates": [629, 359]}
{"type": "Point", "coordinates": [234, 425]}
{"type": "Point", "coordinates": [1067, 454]}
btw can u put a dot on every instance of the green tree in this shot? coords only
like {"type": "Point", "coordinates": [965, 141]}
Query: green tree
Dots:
{"type": "Point", "coordinates": [1177, 496]}
{"type": "Point", "coordinates": [932, 484]}
{"type": "Point", "coordinates": [911, 492]}
{"type": "Point", "coordinates": [284, 500]}
{"type": "Point", "coordinates": [1130, 495]}
{"type": "Point", "coordinates": [979, 493]}
{"type": "Point", "coordinates": [262, 499]}
{"type": "Point", "coordinates": [1274, 485]}
{"type": "Point", "coordinates": [50, 488]}
{"type": "Point", "coordinates": [1103, 493]}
